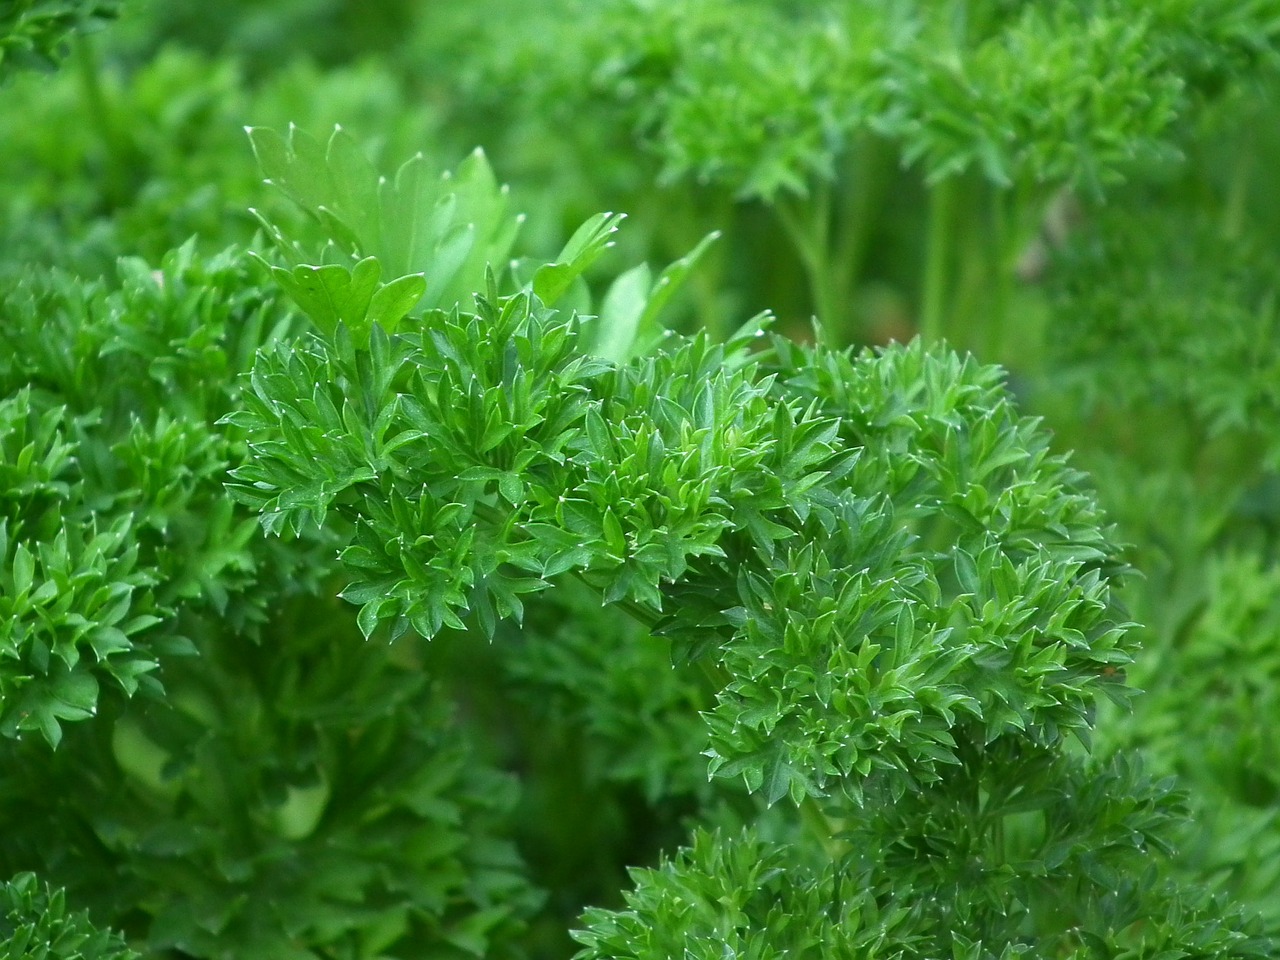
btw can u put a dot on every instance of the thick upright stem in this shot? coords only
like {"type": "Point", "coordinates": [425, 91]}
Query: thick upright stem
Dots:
{"type": "Point", "coordinates": [807, 226]}
{"type": "Point", "coordinates": [822, 828]}
{"type": "Point", "coordinates": [684, 227]}
{"type": "Point", "coordinates": [103, 119]}
{"type": "Point", "coordinates": [1236, 204]}
{"type": "Point", "coordinates": [863, 177]}
{"type": "Point", "coordinates": [937, 269]}
{"type": "Point", "coordinates": [997, 841]}
{"type": "Point", "coordinates": [997, 312]}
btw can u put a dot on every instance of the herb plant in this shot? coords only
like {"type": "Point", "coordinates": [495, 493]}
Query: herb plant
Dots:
{"type": "Point", "coordinates": [33, 32]}
{"type": "Point", "coordinates": [377, 581]}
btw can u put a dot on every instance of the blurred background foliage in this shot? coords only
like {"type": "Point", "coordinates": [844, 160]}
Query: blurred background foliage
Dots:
{"type": "Point", "coordinates": [1082, 191]}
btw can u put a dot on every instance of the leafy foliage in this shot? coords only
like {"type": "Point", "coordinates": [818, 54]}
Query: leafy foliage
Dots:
{"type": "Point", "coordinates": [148, 365]}
{"type": "Point", "coordinates": [900, 602]}
{"type": "Point", "coordinates": [613, 683]}
{"type": "Point", "coordinates": [852, 577]}
{"type": "Point", "coordinates": [192, 846]}
{"type": "Point", "coordinates": [446, 230]}
{"type": "Point", "coordinates": [141, 171]}
{"type": "Point", "coordinates": [923, 897]}
{"type": "Point", "coordinates": [1220, 680]}
{"type": "Point", "coordinates": [1135, 333]}
{"type": "Point", "coordinates": [36, 924]}
{"type": "Point", "coordinates": [362, 825]}
{"type": "Point", "coordinates": [33, 32]}
{"type": "Point", "coordinates": [823, 114]}
{"type": "Point", "coordinates": [661, 483]}
{"type": "Point", "coordinates": [74, 598]}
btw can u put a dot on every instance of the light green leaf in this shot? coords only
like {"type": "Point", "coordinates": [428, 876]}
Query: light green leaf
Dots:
{"type": "Point", "coordinates": [393, 301]}
{"type": "Point", "coordinates": [585, 246]}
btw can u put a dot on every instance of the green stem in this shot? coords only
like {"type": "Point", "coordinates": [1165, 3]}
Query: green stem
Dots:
{"type": "Point", "coordinates": [1026, 341]}
{"type": "Point", "coordinates": [864, 176]}
{"type": "Point", "coordinates": [942, 196]}
{"type": "Point", "coordinates": [102, 118]}
{"type": "Point", "coordinates": [820, 825]}
{"type": "Point", "coordinates": [997, 312]}
{"type": "Point", "coordinates": [687, 222]}
{"type": "Point", "coordinates": [807, 226]}
{"type": "Point", "coordinates": [1233, 212]}
{"type": "Point", "coordinates": [708, 280]}
{"type": "Point", "coordinates": [997, 840]}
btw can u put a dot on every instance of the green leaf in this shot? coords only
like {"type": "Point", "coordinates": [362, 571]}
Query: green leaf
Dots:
{"type": "Point", "coordinates": [330, 295]}
{"type": "Point", "coordinates": [586, 245]}
{"type": "Point", "coordinates": [393, 301]}
{"type": "Point", "coordinates": [620, 314]}
{"type": "Point", "coordinates": [24, 569]}
{"type": "Point", "coordinates": [450, 229]}
{"type": "Point", "coordinates": [670, 281]}
{"type": "Point", "coordinates": [628, 323]}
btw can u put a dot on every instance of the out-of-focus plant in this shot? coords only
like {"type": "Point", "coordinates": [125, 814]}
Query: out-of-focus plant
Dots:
{"type": "Point", "coordinates": [992, 108]}
{"type": "Point", "coordinates": [35, 33]}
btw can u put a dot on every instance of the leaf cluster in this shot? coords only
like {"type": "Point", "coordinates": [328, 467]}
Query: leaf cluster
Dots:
{"type": "Point", "coordinates": [281, 759]}
{"type": "Point", "coordinates": [860, 579]}
{"type": "Point", "coordinates": [1071, 96]}
{"type": "Point", "coordinates": [483, 456]}
{"type": "Point", "coordinates": [112, 513]}
{"type": "Point", "coordinates": [74, 599]}
{"type": "Point", "coordinates": [933, 892]}
{"type": "Point", "coordinates": [899, 597]}
{"type": "Point", "coordinates": [1207, 717]}
{"type": "Point", "coordinates": [847, 121]}
{"type": "Point", "coordinates": [161, 157]}
{"type": "Point", "coordinates": [766, 99]}
{"type": "Point", "coordinates": [36, 925]}
{"type": "Point", "coordinates": [294, 796]}
{"type": "Point", "coordinates": [34, 33]}
{"type": "Point", "coordinates": [1189, 327]}
{"type": "Point", "coordinates": [429, 233]}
